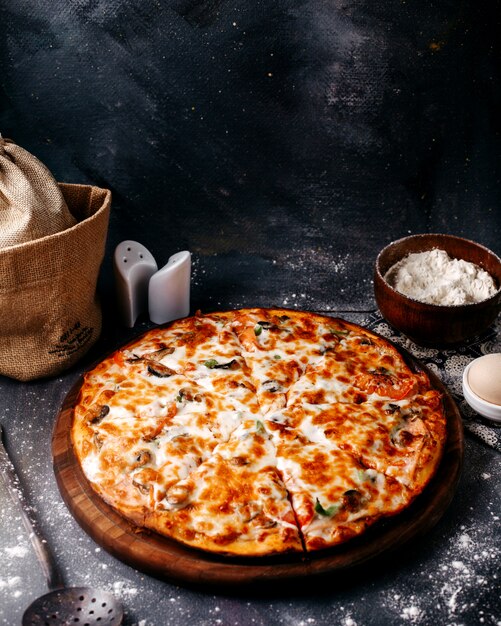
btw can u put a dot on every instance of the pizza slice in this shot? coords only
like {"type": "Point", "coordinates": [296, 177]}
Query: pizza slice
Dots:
{"type": "Point", "coordinates": [402, 440]}
{"type": "Point", "coordinates": [357, 372]}
{"type": "Point", "coordinates": [279, 346]}
{"type": "Point", "coordinates": [137, 436]}
{"type": "Point", "coordinates": [335, 497]}
{"type": "Point", "coordinates": [201, 348]}
{"type": "Point", "coordinates": [234, 503]}
{"type": "Point", "coordinates": [376, 368]}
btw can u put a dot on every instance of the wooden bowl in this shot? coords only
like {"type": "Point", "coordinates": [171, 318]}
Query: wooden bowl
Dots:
{"type": "Point", "coordinates": [432, 324]}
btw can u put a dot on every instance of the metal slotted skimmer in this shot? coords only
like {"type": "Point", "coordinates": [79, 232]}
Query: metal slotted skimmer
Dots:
{"type": "Point", "coordinates": [79, 606]}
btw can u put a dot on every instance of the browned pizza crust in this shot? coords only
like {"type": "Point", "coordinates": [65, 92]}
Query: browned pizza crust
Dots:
{"type": "Point", "coordinates": [258, 431]}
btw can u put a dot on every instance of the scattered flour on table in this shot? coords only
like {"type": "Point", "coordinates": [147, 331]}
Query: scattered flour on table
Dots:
{"type": "Point", "coordinates": [12, 585]}
{"type": "Point", "coordinates": [435, 278]}
{"type": "Point", "coordinates": [462, 576]}
{"type": "Point", "coordinates": [121, 590]}
{"type": "Point", "coordinates": [11, 582]}
{"type": "Point", "coordinates": [19, 551]}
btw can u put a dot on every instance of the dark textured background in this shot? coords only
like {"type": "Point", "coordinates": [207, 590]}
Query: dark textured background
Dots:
{"type": "Point", "coordinates": [220, 126]}
{"type": "Point", "coordinates": [283, 142]}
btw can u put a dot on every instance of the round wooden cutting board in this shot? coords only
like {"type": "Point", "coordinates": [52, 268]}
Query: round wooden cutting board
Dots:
{"type": "Point", "coordinates": [167, 559]}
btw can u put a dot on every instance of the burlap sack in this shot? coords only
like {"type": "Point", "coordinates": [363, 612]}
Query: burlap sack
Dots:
{"type": "Point", "coordinates": [49, 313]}
{"type": "Point", "coordinates": [31, 204]}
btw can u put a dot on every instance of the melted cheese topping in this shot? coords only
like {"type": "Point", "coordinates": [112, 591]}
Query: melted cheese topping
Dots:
{"type": "Point", "coordinates": [258, 431]}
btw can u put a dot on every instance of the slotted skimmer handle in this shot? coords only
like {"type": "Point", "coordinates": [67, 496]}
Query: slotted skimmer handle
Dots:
{"type": "Point", "coordinates": [44, 556]}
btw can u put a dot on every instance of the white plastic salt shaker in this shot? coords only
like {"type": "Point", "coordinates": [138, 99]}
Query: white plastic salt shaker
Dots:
{"type": "Point", "coordinates": [133, 266]}
{"type": "Point", "coordinates": [169, 289]}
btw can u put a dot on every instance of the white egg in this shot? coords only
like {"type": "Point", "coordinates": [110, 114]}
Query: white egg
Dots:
{"type": "Point", "coordinates": [484, 378]}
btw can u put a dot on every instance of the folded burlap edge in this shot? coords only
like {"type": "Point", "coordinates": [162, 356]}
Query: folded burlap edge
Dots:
{"type": "Point", "coordinates": [20, 265]}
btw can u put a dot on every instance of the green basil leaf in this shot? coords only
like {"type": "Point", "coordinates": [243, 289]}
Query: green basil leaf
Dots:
{"type": "Point", "coordinates": [260, 427]}
{"type": "Point", "coordinates": [211, 363]}
{"type": "Point", "coordinates": [339, 333]}
{"type": "Point", "coordinates": [332, 510]}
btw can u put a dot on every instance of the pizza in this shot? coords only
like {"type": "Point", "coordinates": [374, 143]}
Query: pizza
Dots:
{"type": "Point", "coordinates": [258, 431]}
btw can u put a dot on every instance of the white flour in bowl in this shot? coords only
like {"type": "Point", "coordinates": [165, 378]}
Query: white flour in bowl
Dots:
{"type": "Point", "coordinates": [435, 278]}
